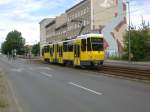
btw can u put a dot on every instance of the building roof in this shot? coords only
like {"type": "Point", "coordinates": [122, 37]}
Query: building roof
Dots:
{"type": "Point", "coordinates": [62, 26]}
{"type": "Point", "coordinates": [76, 5]}
{"type": "Point", "coordinates": [45, 20]}
{"type": "Point", "coordinates": [51, 23]}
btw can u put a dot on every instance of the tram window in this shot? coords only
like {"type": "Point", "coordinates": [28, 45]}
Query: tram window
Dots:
{"type": "Point", "coordinates": [75, 50]}
{"type": "Point", "coordinates": [60, 53]}
{"type": "Point", "coordinates": [97, 40]}
{"type": "Point", "coordinates": [70, 48]}
{"type": "Point", "coordinates": [97, 44]}
{"type": "Point", "coordinates": [57, 46]}
{"type": "Point", "coordinates": [88, 44]}
{"type": "Point", "coordinates": [58, 49]}
{"type": "Point", "coordinates": [65, 47]}
{"type": "Point", "coordinates": [53, 47]}
{"type": "Point", "coordinates": [46, 49]}
{"type": "Point", "coordinates": [42, 52]}
{"type": "Point", "coordinates": [83, 44]}
{"type": "Point", "coordinates": [51, 51]}
{"type": "Point", "coordinates": [97, 47]}
{"type": "Point", "coordinates": [78, 51]}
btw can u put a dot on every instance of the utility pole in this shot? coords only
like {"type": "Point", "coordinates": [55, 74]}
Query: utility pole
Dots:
{"type": "Point", "coordinates": [129, 32]}
{"type": "Point", "coordinates": [80, 21]}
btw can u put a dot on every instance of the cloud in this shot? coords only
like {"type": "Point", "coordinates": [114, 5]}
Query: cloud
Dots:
{"type": "Point", "coordinates": [1, 29]}
{"type": "Point", "coordinates": [2, 2]}
{"type": "Point", "coordinates": [139, 10]}
{"type": "Point", "coordinates": [24, 15]}
{"type": "Point", "coordinates": [20, 16]}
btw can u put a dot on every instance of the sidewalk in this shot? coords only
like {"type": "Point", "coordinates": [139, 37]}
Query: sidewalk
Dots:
{"type": "Point", "coordinates": [143, 65]}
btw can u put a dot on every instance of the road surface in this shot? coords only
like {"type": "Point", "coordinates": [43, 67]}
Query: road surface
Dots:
{"type": "Point", "coordinates": [53, 88]}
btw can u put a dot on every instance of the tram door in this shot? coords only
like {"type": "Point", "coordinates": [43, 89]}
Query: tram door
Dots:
{"type": "Point", "coordinates": [76, 54]}
{"type": "Point", "coordinates": [54, 53]}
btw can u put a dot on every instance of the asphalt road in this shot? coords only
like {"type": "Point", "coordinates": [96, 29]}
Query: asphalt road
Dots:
{"type": "Point", "coordinates": [53, 88]}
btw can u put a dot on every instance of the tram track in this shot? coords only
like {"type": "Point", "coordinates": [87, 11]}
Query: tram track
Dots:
{"type": "Point", "coordinates": [120, 71]}
{"type": "Point", "coordinates": [134, 73]}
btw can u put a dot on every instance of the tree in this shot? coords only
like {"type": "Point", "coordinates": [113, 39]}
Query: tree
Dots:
{"type": "Point", "coordinates": [4, 48]}
{"type": "Point", "coordinates": [139, 43]}
{"type": "Point", "coordinates": [36, 49]}
{"type": "Point", "coordinates": [14, 41]}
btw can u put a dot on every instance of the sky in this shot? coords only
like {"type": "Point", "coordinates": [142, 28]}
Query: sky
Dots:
{"type": "Point", "coordinates": [25, 15]}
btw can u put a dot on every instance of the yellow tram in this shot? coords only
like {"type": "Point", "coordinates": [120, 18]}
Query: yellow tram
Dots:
{"type": "Point", "coordinates": [85, 50]}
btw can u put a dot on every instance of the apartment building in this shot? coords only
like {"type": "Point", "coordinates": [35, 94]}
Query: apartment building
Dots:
{"type": "Point", "coordinates": [91, 16]}
{"type": "Point", "coordinates": [43, 34]}
{"type": "Point", "coordinates": [77, 17]}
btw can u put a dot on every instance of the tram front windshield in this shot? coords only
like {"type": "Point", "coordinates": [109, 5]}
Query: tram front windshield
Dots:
{"type": "Point", "coordinates": [97, 44]}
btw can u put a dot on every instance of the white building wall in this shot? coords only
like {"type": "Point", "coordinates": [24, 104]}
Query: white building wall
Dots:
{"type": "Point", "coordinates": [43, 23]}
{"type": "Point", "coordinates": [110, 14]}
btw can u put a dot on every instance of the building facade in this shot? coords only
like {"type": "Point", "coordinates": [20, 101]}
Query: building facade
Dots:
{"type": "Point", "coordinates": [43, 34]}
{"type": "Point", "coordinates": [91, 16]}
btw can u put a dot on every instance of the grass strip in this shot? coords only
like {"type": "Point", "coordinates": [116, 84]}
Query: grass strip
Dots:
{"type": "Point", "coordinates": [3, 93]}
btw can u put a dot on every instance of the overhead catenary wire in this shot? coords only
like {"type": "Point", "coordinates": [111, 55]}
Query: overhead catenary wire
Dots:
{"type": "Point", "coordinates": [102, 20]}
{"type": "Point", "coordinates": [109, 18]}
{"type": "Point", "coordinates": [107, 9]}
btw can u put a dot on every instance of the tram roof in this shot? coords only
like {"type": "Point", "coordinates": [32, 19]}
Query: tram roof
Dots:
{"type": "Point", "coordinates": [79, 37]}
{"type": "Point", "coordinates": [90, 35]}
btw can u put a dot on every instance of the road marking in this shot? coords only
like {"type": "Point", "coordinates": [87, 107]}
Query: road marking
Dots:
{"type": "Point", "coordinates": [17, 70]}
{"type": "Point", "coordinates": [44, 68]}
{"type": "Point", "coordinates": [31, 68]}
{"type": "Point", "coordinates": [92, 91]}
{"type": "Point", "coordinates": [48, 75]}
{"type": "Point", "coordinates": [41, 68]}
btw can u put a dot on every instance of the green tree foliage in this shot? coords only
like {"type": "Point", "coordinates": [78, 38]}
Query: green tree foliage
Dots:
{"type": "Point", "coordinates": [27, 50]}
{"type": "Point", "coordinates": [139, 43]}
{"type": "Point", "coordinates": [36, 49]}
{"type": "Point", "coordinates": [14, 40]}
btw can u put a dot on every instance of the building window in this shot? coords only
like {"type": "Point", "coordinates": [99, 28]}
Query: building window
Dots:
{"type": "Point", "coordinates": [78, 25]}
{"type": "Point", "coordinates": [71, 27]}
{"type": "Point", "coordinates": [81, 12]}
{"type": "Point", "coordinates": [72, 16]}
{"type": "Point", "coordinates": [84, 11]}
{"type": "Point", "coordinates": [87, 9]}
{"type": "Point", "coordinates": [76, 15]}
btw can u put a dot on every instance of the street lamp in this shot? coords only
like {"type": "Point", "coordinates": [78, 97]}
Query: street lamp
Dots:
{"type": "Point", "coordinates": [129, 32]}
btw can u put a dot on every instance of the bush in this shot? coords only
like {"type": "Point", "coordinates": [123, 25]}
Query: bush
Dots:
{"type": "Point", "coordinates": [139, 43]}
